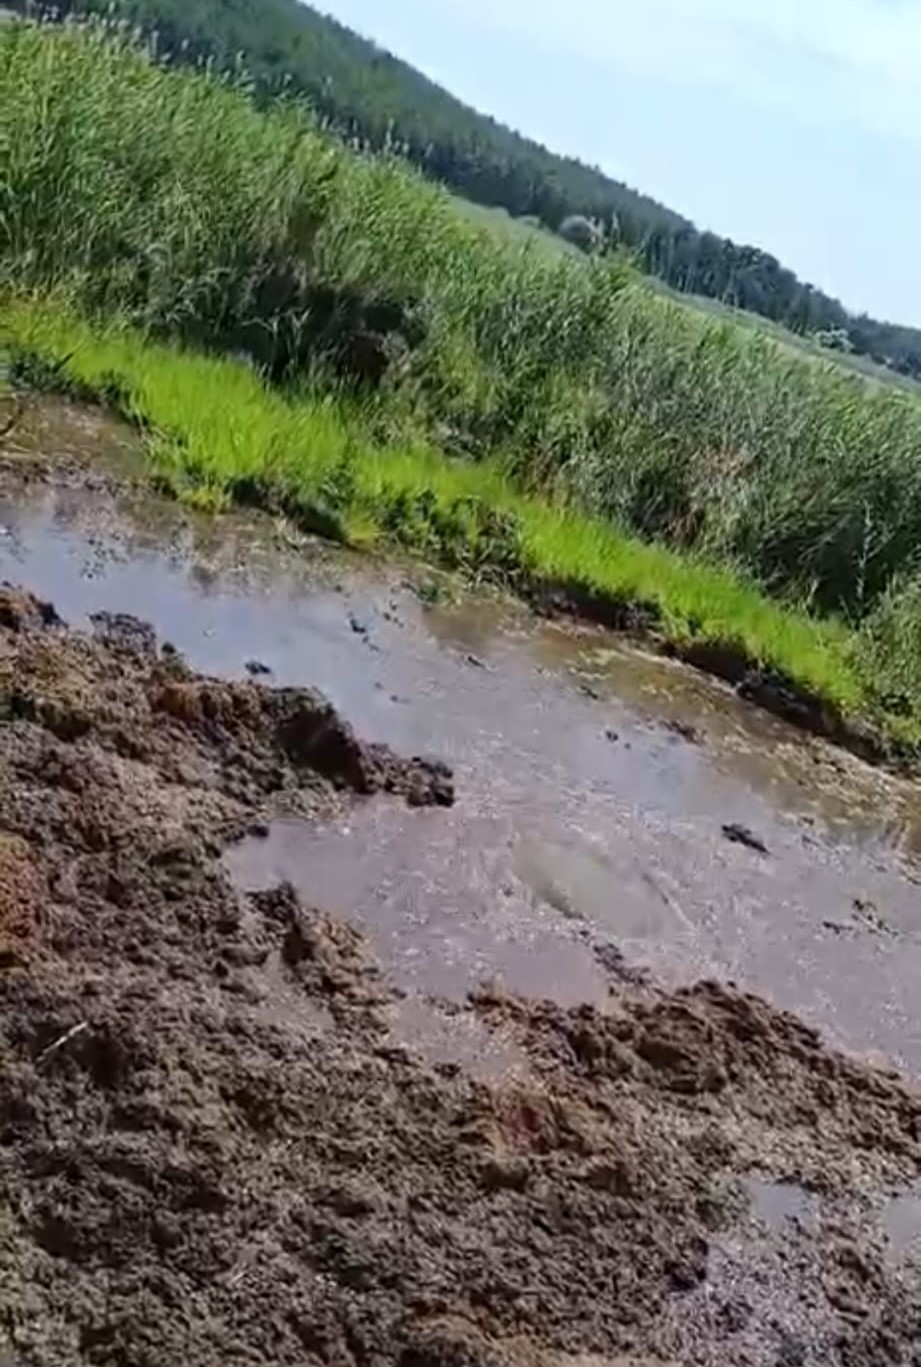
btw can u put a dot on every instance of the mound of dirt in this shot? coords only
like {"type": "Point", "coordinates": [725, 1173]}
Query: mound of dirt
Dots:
{"type": "Point", "coordinates": [211, 1152]}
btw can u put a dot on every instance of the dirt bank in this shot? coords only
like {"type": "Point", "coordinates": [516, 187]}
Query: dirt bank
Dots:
{"type": "Point", "coordinates": [212, 1152]}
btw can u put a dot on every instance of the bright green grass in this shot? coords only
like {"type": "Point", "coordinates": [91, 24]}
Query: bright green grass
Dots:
{"type": "Point", "coordinates": [212, 426]}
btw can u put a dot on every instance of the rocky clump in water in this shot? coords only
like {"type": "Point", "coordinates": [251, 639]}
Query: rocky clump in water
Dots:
{"type": "Point", "coordinates": [242, 739]}
{"type": "Point", "coordinates": [210, 1150]}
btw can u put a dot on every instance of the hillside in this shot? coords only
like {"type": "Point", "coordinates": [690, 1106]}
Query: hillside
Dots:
{"type": "Point", "coordinates": [377, 100]}
{"type": "Point", "coordinates": [371, 96]}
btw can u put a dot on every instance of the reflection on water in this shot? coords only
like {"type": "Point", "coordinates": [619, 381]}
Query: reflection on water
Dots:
{"type": "Point", "coordinates": [806, 778]}
{"type": "Point", "coordinates": [582, 881]}
{"type": "Point", "coordinates": [454, 1038]}
{"type": "Point", "coordinates": [779, 1204]}
{"type": "Point", "coordinates": [436, 896]}
{"type": "Point", "coordinates": [51, 429]}
{"type": "Point", "coordinates": [902, 1219]}
{"type": "Point", "coordinates": [581, 814]}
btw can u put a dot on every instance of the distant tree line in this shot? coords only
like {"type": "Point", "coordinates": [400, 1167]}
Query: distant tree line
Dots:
{"type": "Point", "coordinates": [378, 102]}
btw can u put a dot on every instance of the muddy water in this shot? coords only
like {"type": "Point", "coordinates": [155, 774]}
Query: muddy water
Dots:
{"type": "Point", "coordinates": [902, 1220]}
{"type": "Point", "coordinates": [593, 780]}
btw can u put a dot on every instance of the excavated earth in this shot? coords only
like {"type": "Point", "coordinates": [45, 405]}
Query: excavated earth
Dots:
{"type": "Point", "coordinates": [213, 1151]}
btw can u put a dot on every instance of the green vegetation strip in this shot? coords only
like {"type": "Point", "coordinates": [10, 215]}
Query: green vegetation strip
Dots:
{"type": "Point", "coordinates": [216, 433]}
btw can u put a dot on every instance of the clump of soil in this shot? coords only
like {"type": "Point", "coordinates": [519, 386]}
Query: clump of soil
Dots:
{"type": "Point", "coordinates": [211, 1152]}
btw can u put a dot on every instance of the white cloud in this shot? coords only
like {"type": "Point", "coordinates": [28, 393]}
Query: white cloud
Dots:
{"type": "Point", "coordinates": [792, 123]}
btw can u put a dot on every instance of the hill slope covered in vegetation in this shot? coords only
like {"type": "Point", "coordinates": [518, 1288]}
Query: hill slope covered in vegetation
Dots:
{"type": "Point", "coordinates": [379, 101]}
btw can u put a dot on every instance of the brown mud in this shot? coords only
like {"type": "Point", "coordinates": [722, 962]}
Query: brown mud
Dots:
{"type": "Point", "coordinates": [213, 1151]}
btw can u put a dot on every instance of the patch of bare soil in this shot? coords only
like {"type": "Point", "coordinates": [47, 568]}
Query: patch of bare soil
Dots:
{"type": "Point", "coordinates": [211, 1153]}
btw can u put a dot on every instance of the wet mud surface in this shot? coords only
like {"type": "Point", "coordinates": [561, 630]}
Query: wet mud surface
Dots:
{"type": "Point", "coordinates": [595, 784]}
{"type": "Point", "coordinates": [213, 1149]}
{"type": "Point", "coordinates": [474, 1088]}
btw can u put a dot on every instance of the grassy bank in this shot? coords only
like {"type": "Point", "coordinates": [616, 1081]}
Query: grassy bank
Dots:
{"type": "Point", "coordinates": [215, 433]}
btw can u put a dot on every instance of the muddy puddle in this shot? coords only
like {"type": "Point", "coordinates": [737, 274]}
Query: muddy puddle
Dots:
{"type": "Point", "coordinates": [594, 781]}
{"type": "Point", "coordinates": [902, 1223]}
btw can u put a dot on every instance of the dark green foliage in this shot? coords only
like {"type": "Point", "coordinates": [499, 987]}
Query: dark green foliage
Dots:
{"type": "Point", "coordinates": [891, 638]}
{"type": "Point", "coordinates": [466, 533]}
{"type": "Point", "coordinates": [28, 369]}
{"type": "Point", "coordinates": [376, 101]}
{"type": "Point", "coordinates": [582, 233]}
{"type": "Point", "coordinates": [321, 512]}
{"type": "Point", "coordinates": [287, 321]}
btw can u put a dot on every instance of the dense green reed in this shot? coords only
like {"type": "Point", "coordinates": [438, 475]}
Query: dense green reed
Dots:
{"type": "Point", "coordinates": [167, 198]}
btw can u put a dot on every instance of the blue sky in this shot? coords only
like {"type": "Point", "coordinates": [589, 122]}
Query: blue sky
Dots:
{"type": "Point", "coordinates": [794, 124]}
